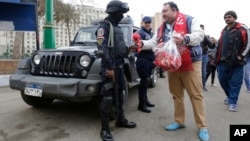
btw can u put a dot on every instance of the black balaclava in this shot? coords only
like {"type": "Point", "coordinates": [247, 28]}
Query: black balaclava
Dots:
{"type": "Point", "coordinates": [117, 16]}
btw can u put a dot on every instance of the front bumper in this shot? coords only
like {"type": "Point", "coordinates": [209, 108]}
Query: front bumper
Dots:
{"type": "Point", "coordinates": [57, 87]}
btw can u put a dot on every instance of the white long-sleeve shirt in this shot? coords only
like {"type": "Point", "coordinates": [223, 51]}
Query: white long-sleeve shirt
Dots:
{"type": "Point", "coordinates": [195, 37]}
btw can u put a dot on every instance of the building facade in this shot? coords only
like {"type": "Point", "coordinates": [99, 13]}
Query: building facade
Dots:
{"type": "Point", "coordinates": [156, 22]}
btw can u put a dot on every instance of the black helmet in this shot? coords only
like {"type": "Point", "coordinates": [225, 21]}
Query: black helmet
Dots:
{"type": "Point", "coordinates": [117, 6]}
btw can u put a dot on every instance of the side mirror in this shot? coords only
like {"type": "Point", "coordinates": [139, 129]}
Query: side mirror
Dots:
{"type": "Point", "coordinates": [71, 43]}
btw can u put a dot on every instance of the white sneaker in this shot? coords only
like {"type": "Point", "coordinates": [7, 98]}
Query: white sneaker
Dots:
{"type": "Point", "coordinates": [213, 85]}
{"type": "Point", "coordinates": [233, 108]}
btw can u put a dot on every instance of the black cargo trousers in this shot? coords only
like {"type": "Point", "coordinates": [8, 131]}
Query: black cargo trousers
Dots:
{"type": "Point", "coordinates": [108, 98]}
{"type": "Point", "coordinates": [144, 69]}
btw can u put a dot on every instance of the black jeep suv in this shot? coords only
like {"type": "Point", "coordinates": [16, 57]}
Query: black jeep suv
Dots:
{"type": "Point", "coordinates": [71, 73]}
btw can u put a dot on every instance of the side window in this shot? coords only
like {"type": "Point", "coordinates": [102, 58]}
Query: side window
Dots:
{"type": "Point", "coordinates": [126, 33]}
{"type": "Point", "coordinates": [135, 30]}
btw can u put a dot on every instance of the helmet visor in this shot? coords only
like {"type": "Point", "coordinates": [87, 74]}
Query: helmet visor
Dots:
{"type": "Point", "coordinates": [125, 6]}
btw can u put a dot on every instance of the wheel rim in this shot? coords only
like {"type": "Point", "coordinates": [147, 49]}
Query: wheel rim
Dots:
{"type": "Point", "coordinates": [125, 92]}
{"type": "Point", "coordinates": [155, 76]}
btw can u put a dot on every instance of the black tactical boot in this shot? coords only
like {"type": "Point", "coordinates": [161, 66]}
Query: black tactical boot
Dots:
{"type": "Point", "coordinates": [106, 135]}
{"type": "Point", "coordinates": [125, 123]}
{"type": "Point", "coordinates": [143, 108]}
{"type": "Point", "coordinates": [122, 121]}
{"type": "Point", "coordinates": [105, 111]}
{"type": "Point", "coordinates": [143, 96]}
{"type": "Point", "coordinates": [149, 104]}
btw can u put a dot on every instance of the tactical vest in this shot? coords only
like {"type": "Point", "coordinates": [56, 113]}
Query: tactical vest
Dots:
{"type": "Point", "coordinates": [116, 40]}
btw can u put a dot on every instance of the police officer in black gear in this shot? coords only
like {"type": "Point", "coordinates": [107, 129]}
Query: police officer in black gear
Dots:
{"type": "Point", "coordinates": [112, 59]}
{"type": "Point", "coordinates": [145, 65]}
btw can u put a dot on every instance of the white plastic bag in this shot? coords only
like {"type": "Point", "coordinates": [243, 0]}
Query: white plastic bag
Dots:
{"type": "Point", "coordinates": [167, 56]}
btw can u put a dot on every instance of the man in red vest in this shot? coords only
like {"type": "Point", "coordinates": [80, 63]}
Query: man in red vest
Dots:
{"type": "Point", "coordinates": [188, 76]}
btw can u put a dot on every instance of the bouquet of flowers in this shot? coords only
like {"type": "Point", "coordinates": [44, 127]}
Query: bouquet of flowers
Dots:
{"type": "Point", "coordinates": [137, 42]}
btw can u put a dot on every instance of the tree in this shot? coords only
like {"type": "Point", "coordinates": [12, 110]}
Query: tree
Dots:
{"type": "Point", "coordinates": [84, 2]}
{"type": "Point", "coordinates": [18, 43]}
{"type": "Point", "coordinates": [41, 4]}
{"type": "Point", "coordinates": [67, 14]}
{"type": "Point", "coordinates": [41, 7]}
{"type": "Point", "coordinates": [63, 12]}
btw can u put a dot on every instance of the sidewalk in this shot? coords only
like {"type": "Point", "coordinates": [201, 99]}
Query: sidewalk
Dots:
{"type": "Point", "coordinates": [4, 80]}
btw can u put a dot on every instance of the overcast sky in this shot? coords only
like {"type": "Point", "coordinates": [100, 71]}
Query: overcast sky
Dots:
{"type": "Point", "coordinates": [208, 12]}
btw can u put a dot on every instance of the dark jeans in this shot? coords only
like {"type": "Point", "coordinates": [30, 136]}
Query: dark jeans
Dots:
{"type": "Point", "coordinates": [204, 68]}
{"type": "Point", "coordinates": [247, 74]}
{"type": "Point", "coordinates": [231, 79]}
{"type": "Point", "coordinates": [211, 69]}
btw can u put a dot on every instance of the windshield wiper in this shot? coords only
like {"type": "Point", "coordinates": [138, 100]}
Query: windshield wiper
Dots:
{"type": "Point", "coordinates": [83, 43]}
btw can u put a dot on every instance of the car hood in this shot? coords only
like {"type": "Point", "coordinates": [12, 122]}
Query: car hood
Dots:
{"type": "Point", "coordinates": [89, 49]}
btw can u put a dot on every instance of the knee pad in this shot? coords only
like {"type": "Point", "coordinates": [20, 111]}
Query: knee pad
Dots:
{"type": "Point", "coordinates": [107, 103]}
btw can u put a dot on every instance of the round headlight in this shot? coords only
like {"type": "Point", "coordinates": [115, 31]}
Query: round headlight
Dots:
{"type": "Point", "coordinates": [37, 59]}
{"type": "Point", "coordinates": [91, 88]}
{"type": "Point", "coordinates": [84, 60]}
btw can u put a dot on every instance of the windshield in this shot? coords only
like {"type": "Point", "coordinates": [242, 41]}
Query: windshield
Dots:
{"type": "Point", "coordinates": [86, 35]}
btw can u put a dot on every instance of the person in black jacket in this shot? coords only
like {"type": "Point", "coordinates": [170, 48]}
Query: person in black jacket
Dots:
{"type": "Point", "coordinates": [211, 66]}
{"type": "Point", "coordinates": [145, 65]}
{"type": "Point", "coordinates": [205, 44]}
{"type": "Point", "coordinates": [233, 46]}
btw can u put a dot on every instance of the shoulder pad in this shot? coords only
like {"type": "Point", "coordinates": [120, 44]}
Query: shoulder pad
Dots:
{"type": "Point", "coordinates": [106, 21]}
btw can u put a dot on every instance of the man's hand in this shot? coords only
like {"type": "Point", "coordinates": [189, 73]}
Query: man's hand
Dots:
{"type": "Point", "coordinates": [137, 42]}
{"type": "Point", "coordinates": [178, 40]}
{"type": "Point", "coordinates": [110, 74]}
{"type": "Point", "coordinates": [132, 49]}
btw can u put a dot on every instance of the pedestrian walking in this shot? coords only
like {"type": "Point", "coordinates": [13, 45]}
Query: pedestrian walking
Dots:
{"type": "Point", "coordinates": [232, 48]}
{"type": "Point", "coordinates": [247, 73]}
{"type": "Point", "coordinates": [205, 45]}
{"type": "Point", "coordinates": [211, 66]}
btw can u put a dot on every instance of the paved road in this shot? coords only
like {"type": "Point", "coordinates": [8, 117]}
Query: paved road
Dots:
{"type": "Point", "coordinates": [64, 121]}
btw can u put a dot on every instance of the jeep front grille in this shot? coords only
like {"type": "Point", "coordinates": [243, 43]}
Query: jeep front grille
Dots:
{"type": "Point", "coordinates": [57, 65]}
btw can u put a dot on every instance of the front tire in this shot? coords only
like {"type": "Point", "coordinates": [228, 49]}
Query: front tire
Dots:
{"type": "Point", "coordinates": [125, 92]}
{"type": "Point", "coordinates": [36, 102]}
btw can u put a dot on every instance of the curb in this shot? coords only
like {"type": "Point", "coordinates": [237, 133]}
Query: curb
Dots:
{"type": "Point", "coordinates": [4, 86]}
{"type": "Point", "coordinates": [4, 80]}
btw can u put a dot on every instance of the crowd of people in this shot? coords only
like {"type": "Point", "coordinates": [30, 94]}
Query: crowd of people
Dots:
{"type": "Point", "coordinates": [201, 56]}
